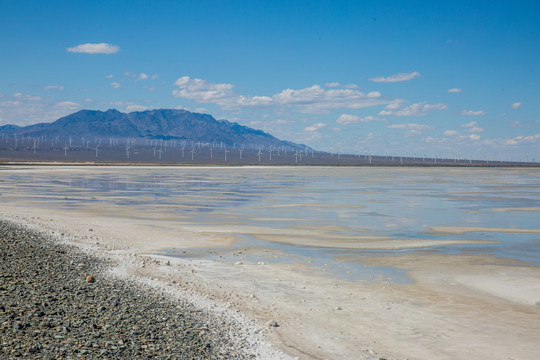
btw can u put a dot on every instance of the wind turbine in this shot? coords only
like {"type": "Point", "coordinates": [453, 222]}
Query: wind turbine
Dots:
{"type": "Point", "coordinates": [259, 154]}
{"type": "Point", "coordinates": [241, 149]}
{"type": "Point", "coordinates": [226, 151]}
{"type": "Point", "coordinates": [65, 150]}
{"type": "Point", "coordinates": [97, 147]}
{"type": "Point", "coordinates": [192, 153]}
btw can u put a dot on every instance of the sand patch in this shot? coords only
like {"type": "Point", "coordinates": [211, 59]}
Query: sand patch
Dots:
{"type": "Point", "coordinates": [516, 209]}
{"type": "Point", "coordinates": [455, 230]}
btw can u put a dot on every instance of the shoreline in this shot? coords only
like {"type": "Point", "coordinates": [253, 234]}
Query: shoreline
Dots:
{"type": "Point", "coordinates": [445, 314]}
{"type": "Point", "coordinates": [512, 165]}
{"type": "Point", "coordinates": [452, 304]}
{"type": "Point", "coordinates": [50, 308]}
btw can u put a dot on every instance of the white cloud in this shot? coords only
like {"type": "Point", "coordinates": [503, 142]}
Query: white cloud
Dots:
{"type": "Point", "coordinates": [314, 127]}
{"type": "Point", "coordinates": [450, 132]}
{"type": "Point", "coordinates": [412, 133]}
{"type": "Point", "coordinates": [418, 109]}
{"type": "Point", "coordinates": [394, 106]}
{"type": "Point", "coordinates": [454, 90]}
{"type": "Point", "coordinates": [347, 119]}
{"type": "Point", "coordinates": [110, 76]}
{"type": "Point", "coordinates": [474, 137]}
{"type": "Point", "coordinates": [90, 48]}
{"type": "Point", "coordinates": [154, 77]}
{"type": "Point", "coordinates": [142, 76]}
{"type": "Point", "coordinates": [53, 87]}
{"type": "Point", "coordinates": [476, 129]}
{"type": "Point", "coordinates": [410, 126]}
{"type": "Point", "coordinates": [522, 139]}
{"type": "Point", "coordinates": [515, 105]}
{"type": "Point", "coordinates": [469, 125]}
{"type": "Point", "coordinates": [332, 84]}
{"type": "Point", "coordinates": [397, 77]}
{"type": "Point", "coordinates": [135, 107]}
{"type": "Point", "coordinates": [116, 85]}
{"type": "Point", "coordinates": [313, 99]}
{"type": "Point", "coordinates": [204, 91]}
{"type": "Point", "coordinates": [67, 105]}
{"type": "Point", "coordinates": [473, 127]}
{"type": "Point", "coordinates": [22, 109]}
{"type": "Point", "coordinates": [473, 113]}
{"type": "Point", "coordinates": [21, 96]}
{"type": "Point", "coordinates": [350, 86]}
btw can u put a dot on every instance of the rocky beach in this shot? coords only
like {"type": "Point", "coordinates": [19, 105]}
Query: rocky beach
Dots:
{"type": "Point", "coordinates": [59, 303]}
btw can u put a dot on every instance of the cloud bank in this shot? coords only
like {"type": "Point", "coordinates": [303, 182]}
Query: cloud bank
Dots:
{"type": "Point", "coordinates": [314, 99]}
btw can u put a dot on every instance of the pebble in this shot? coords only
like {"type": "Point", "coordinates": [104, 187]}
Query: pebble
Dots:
{"type": "Point", "coordinates": [47, 312]}
{"type": "Point", "coordinates": [272, 323]}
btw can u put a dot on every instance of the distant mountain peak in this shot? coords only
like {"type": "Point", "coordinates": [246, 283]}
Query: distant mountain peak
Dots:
{"type": "Point", "coordinates": [151, 124]}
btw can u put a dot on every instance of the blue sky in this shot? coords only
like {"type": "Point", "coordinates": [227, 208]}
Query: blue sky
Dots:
{"type": "Point", "coordinates": [396, 77]}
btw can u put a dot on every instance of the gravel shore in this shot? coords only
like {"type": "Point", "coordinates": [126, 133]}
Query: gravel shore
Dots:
{"type": "Point", "coordinates": [51, 309]}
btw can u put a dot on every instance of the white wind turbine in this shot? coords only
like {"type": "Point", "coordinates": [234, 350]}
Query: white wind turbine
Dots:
{"type": "Point", "coordinates": [97, 147]}
{"type": "Point", "coordinates": [241, 149]}
{"type": "Point", "coordinates": [226, 151]}
{"type": "Point", "coordinates": [259, 154]}
{"type": "Point", "coordinates": [192, 153]}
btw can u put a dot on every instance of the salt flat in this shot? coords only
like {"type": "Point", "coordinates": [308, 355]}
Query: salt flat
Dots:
{"type": "Point", "coordinates": [407, 267]}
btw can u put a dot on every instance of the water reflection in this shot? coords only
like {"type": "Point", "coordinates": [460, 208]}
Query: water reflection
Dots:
{"type": "Point", "coordinates": [321, 210]}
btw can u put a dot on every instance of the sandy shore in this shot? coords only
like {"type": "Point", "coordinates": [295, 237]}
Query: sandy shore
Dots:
{"type": "Point", "coordinates": [457, 307]}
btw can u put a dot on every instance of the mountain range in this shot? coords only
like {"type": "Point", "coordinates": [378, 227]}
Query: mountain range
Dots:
{"type": "Point", "coordinates": [165, 124]}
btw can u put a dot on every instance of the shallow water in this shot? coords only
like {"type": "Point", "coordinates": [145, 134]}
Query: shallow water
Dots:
{"type": "Point", "coordinates": [318, 212]}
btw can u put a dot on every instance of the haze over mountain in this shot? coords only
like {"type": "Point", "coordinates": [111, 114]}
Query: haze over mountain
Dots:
{"type": "Point", "coordinates": [151, 124]}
